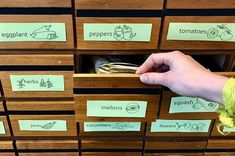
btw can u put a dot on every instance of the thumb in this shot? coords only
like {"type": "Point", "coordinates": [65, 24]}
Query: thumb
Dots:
{"type": "Point", "coordinates": [154, 78]}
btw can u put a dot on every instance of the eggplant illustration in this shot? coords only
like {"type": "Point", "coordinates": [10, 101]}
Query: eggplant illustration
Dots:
{"type": "Point", "coordinates": [44, 33]}
{"type": "Point", "coordinates": [132, 108]}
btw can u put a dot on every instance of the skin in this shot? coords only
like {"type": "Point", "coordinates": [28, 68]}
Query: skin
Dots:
{"type": "Point", "coordinates": [183, 75]}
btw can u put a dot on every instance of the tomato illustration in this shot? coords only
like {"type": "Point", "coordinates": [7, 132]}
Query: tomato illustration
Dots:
{"type": "Point", "coordinates": [212, 33]}
{"type": "Point", "coordinates": [226, 36]}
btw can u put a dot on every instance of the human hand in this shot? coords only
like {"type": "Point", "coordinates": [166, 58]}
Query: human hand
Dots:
{"type": "Point", "coordinates": [183, 75]}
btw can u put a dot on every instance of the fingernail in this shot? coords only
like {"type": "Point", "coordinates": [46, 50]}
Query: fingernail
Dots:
{"type": "Point", "coordinates": [143, 78]}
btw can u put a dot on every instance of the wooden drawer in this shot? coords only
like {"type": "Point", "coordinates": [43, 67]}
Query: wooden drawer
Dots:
{"type": "Point", "coordinates": [121, 90]}
{"type": "Point", "coordinates": [174, 106]}
{"type": "Point", "coordinates": [111, 143]}
{"type": "Point", "coordinates": [119, 5]}
{"type": "Point", "coordinates": [44, 32]}
{"type": "Point", "coordinates": [6, 145]}
{"type": "Point", "coordinates": [4, 128]}
{"type": "Point", "coordinates": [43, 105]}
{"type": "Point", "coordinates": [46, 144]}
{"type": "Point", "coordinates": [50, 154]}
{"type": "Point", "coordinates": [36, 59]}
{"type": "Point", "coordinates": [175, 144]}
{"type": "Point", "coordinates": [200, 4]}
{"type": "Point", "coordinates": [146, 107]}
{"type": "Point", "coordinates": [181, 128]}
{"type": "Point", "coordinates": [111, 129]}
{"type": "Point", "coordinates": [90, 35]}
{"type": "Point", "coordinates": [111, 154]}
{"type": "Point", "coordinates": [37, 84]}
{"type": "Point", "coordinates": [8, 154]}
{"type": "Point", "coordinates": [225, 130]}
{"type": "Point", "coordinates": [43, 125]}
{"type": "Point", "coordinates": [210, 36]}
{"type": "Point", "coordinates": [221, 144]}
{"type": "Point", "coordinates": [1, 106]}
{"type": "Point", "coordinates": [35, 3]}
{"type": "Point", "coordinates": [219, 154]}
{"type": "Point", "coordinates": [173, 154]}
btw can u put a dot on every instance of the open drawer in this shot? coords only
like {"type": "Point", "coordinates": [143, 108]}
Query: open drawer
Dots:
{"type": "Point", "coordinates": [114, 97]}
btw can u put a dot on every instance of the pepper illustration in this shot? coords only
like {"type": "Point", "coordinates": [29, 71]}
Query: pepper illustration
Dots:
{"type": "Point", "coordinates": [132, 108]}
{"type": "Point", "coordinates": [124, 33]}
{"type": "Point", "coordinates": [49, 125]}
{"type": "Point", "coordinates": [118, 33]}
{"type": "Point", "coordinates": [44, 33]}
{"type": "Point", "coordinates": [128, 34]}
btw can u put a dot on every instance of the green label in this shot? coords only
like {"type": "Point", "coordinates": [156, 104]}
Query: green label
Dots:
{"type": "Point", "coordinates": [224, 32]}
{"type": "Point", "coordinates": [43, 125]}
{"type": "Point", "coordinates": [117, 32]}
{"type": "Point", "coordinates": [225, 129]}
{"type": "Point", "coordinates": [189, 104]}
{"type": "Point", "coordinates": [37, 82]}
{"type": "Point", "coordinates": [111, 126]}
{"type": "Point", "coordinates": [96, 108]}
{"type": "Point", "coordinates": [18, 32]}
{"type": "Point", "coordinates": [2, 128]}
{"type": "Point", "coordinates": [190, 126]}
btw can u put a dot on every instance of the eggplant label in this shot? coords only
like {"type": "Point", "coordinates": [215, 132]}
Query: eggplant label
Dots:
{"type": "Point", "coordinates": [43, 125]}
{"type": "Point", "coordinates": [112, 126]}
{"type": "Point", "coordinates": [117, 32]}
{"type": "Point", "coordinates": [188, 104]}
{"type": "Point", "coordinates": [189, 126]}
{"type": "Point", "coordinates": [2, 128]}
{"type": "Point", "coordinates": [37, 82]}
{"type": "Point", "coordinates": [220, 32]}
{"type": "Point", "coordinates": [32, 32]}
{"type": "Point", "coordinates": [106, 108]}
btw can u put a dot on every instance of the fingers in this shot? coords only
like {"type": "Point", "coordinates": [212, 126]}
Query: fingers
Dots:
{"type": "Point", "coordinates": [154, 78]}
{"type": "Point", "coordinates": [154, 61]}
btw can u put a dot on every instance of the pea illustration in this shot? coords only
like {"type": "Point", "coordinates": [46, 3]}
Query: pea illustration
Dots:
{"type": "Point", "coordinates": [49, 125]}
{"type": "Point", "coordinates": [132, 108]}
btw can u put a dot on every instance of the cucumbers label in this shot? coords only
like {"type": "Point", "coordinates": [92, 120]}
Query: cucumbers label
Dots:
{"type": "Point", "coordinates": [96, 108]}
{"type": "Point", "coordinates": [117, 32]}
{"type": "Point", "coordinates": [220, 32]}
{"type": "Point", "coordinates": [2, 128]}
{"type": "Point", "coordinates": [188, 104]}
{"type": "Point", "coordinates": [43, 125]}
{"type": "Point", "coordinates": [37, 82]}
{"type": "Point", "coordinates": [189, 126]}
{"type": "Point", "coordinates": [33, 32]}
{"type": "Point", "coordinates": [111, 126]}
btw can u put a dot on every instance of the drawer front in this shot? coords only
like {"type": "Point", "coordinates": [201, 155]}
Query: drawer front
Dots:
{"type": "Point", "coordinates": [127, 81]}
{"type": "Point", "coordinates": [4, 128]}
{"type": "Point", "coordinates": [117, 33]}
{"type": "Point", "coordinates": [44, 32]}
{"type": "Point", "coordinates": [35, 3]}
{"type": "Point", "coordinates": [228, 132]}
{"type": "Point", "coordinates": [200, 37]}
{"type": "Point", "coordinates": [174, 106]}
{"type": "Point", "coordinates": [121, 4]}
{"type": "Point", "coordinates": [27, 105]}
{"type": "Point", "coordinates": [50, 154]}
{"type": "Point", "coordinates": [36, 84]}
{"type": "Point", "coordinates": [46, 144]}
{"type": "Point", "coordinates": [1, 106]}
{"type": "Point", "coordinates": [6, 145]}
{"type": "Point", "coordinates": [111, 129]}
{"type": "Point", "coordinates": [172, 128]}
{"type": "Point", "coordinates": [116, 107]}
{"type": "Point", "coordinates": [36, 60]}
{"type": "Point", "coordinates": [202, 4]}
{"type": "Point", "coordinates": [43, 125]}
{"type": "Point", "coordinates": [174, 144]}
{"type": "Point", "coordinates": [173, 154]}
{"type": "Point", "coordinates": [111, 154]}
{"type": "Point", "coordinates": [111, 144]}
{"type": "Point", "coordinates": [219, 154]}
{"type": "Point", "coordinates": [7, 154]}
{"type": "Point", "coordinates": [220, 144]}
